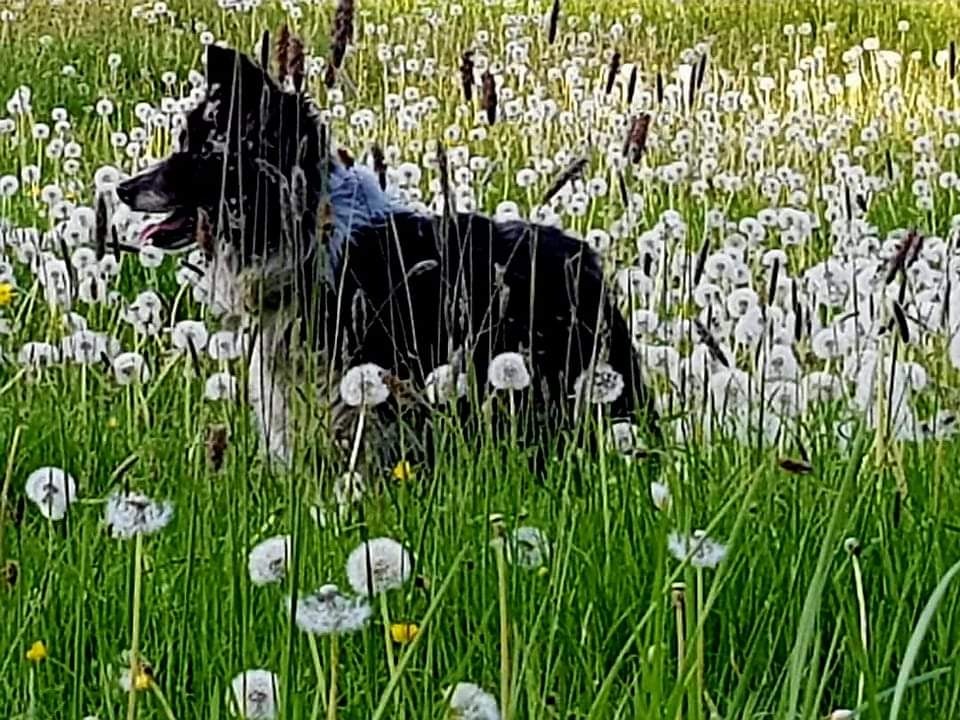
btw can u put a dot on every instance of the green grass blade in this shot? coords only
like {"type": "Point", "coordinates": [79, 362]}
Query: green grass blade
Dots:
{"type": "Point", "coordinates": [913, 646]}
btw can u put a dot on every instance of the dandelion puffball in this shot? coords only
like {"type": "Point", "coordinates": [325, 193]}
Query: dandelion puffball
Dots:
{"type": "Point", "coordinates": [131, 514]}
{"type": "Point", "coordinates": [190, 333]}
{"type": "Point", "coordinates": [129, 368]}
{"type": "Point", "coordinates": [444, 384]}
{"type": "Point", "coordinates": [220, 386]}
{"type": "Point", "coordinates": [627, 438]}
{"type": "Point", "coordinates": [600, 384]}
{"type": "Point", "coordinates": [660, 495]}
{"type": "Point", "coordinates": [364, 385]}
{"type": "Point", "coordinates": [528, 548]}
{"type": "Point", "coordinates": [329, 612]}
{"type": "Point", "coordinates": [378, 565]}
{"type": "Point", "coordinates": [508, 371]}
{"type": "Point", "coordinates": [702, 551]}
{"type": "Point", "coordinates": [255, 695]}
{"type": "Point", "coordinates": [471, 702]}
{"type": "Point", "coordinates": [267, 561]}
{"type": "Point", "coordinates": [52, 490]}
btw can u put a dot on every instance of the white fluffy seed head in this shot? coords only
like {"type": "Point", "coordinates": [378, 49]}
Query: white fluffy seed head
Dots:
{"type": "Point", "coordinates": [701, 550]}
{"type": "Point", "coordinates": [660, 494]}
{"type": "Point", "coordinates": [444, 384]}
{"type": "Point", "coordinates": [131, 514]}
{"type": "Point", "coordinates": [528, 548]}
{"type": "Point", "coordinates": [364, 385]}
{"type": "Point", "coordinates": [190, 333]}
{"type": "Point", "coordinates": [254, 695]}
{"type": "Point", "coordinates": [267, 561]}
{"type": "Point", "coordinates": [52, 490]}
{"type": "Point", "coordinates": [627, 439]}
{"type": "Point", "coordinates": [600, 384]}
{"type": "Point", "coordinates": [130, 368]}
{"type": "Point", "coordinates": [471, 702]}
{"type": "Point", "coordinates": [378, 565]}
{"type": "Point", "coordinates": [329, 612]}
{"type": "Point", "coordinates": [508, 371]}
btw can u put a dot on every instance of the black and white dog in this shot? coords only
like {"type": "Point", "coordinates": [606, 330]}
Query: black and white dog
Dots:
{"type": "Point", "coordinates": [314, 249]}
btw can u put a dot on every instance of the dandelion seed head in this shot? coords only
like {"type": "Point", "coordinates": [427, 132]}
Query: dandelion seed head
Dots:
{"type": "Point", "coordinates": [508, 371]}
{"type": "Point", "coordinates": [254, 695]}
{"type": "Point", "coordinates": [600, 384]}
{"type": "Point", "coordinates": [329, 612]}
{"type": "Point", "coordinates": [445, 384]}
{"type": "Point", "coordinates": [470, 702]}
{"type": "Point", "coordinates": [267, 561]}
{"type": "Point", "coordinates": [190, 333]}
{"type": "Point", "coordinates": [131, 514]}
{"type": "Point", "coordinates": [378, 565]}
{"type": "Point", "coordinates": [52, 490]}
{"type": "Point", "coordinates": [660, 495]}
{"type": "Point", "coordinates": [129, 368]}
{"type": "Point", "coordinates": [364, 385]}
{"type": "Point", "coordinates": [701, 550]}
{"type": "Point", "coordinates": [527, 547]}
{"type": "Point", "coordinates": [220, 386]}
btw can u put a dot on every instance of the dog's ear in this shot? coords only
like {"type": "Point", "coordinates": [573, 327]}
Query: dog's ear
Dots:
{"type": "Point", "coordinates": [229, 70]}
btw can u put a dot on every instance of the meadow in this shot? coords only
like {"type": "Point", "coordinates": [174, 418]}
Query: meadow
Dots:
{"type": "Point", "coordinates": [773, 189]}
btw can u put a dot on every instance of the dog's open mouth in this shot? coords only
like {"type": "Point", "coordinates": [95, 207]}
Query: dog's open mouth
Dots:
{"type": "Point", "coordinates": [177, 230]}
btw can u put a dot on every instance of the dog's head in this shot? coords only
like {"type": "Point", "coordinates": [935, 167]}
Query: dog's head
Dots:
{"type": "Point", "coordinates": [246, 180]}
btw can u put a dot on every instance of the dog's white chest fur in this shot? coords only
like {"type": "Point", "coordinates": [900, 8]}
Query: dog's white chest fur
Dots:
{"type": "Point", "coordinates": [268, 393]}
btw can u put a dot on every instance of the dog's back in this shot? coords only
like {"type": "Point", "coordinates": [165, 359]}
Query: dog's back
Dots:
{"type": "Point", "coordinates": [416, 289]}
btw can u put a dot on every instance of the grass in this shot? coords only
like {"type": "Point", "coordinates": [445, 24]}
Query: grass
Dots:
{"type": "Point", "coordinates": [591, 634]}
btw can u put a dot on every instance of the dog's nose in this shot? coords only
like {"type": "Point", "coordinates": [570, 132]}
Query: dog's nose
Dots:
{"type": "Point", "coordinates": [125, 192]}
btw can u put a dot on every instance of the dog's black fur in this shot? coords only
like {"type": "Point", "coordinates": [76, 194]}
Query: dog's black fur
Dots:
{"type": "Point", "coordinates": [401, 289]}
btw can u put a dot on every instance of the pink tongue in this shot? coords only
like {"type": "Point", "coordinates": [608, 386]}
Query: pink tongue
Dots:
{"type": "Point", "coordinates": [151, 230]}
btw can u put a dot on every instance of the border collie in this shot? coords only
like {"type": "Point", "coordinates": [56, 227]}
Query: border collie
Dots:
{"type": "Point", "coordinates": [312, 248]}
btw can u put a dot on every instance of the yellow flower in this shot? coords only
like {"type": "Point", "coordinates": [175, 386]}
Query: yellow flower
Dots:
{"type": "Point", "coordinates": [142, 680]}
{"type": "Point", "coordinates": [6, 294]}
{"type": "Point", "coordinates": [403, 633]}
{"type": "Point", "coordinates": [402, 471]}
{"type": "Point", "coordinates": [112, 423]}
{"type": "Point", "coordinates": [37, 652]}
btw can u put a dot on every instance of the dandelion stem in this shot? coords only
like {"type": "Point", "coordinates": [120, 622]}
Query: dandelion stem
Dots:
{"type": "Point", "coordinates": [701, 651]}
{"type": "Point", "coordinates": [321, 694]}
{"type": "Point", "coordinates": [358, 435]}
{"type": "Point", "coordinates": [604, 486]}
{"type": "Point", "coordinates": [678, 604]}
{"type": "Point", "coordinates": [7, 477]}
{"type": "Point", "coordinates": [332, 702]}
{"type": "Point", "coordinates": [32, 694]}
{"type": "Point", "coordinates": [504, 626]}
{"type": "Point", "coordinates": [862, 607]}
{"type": "Point", "coordinates": [135, 631]}
{"type": "Point", "coordinates": [385, 616]}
